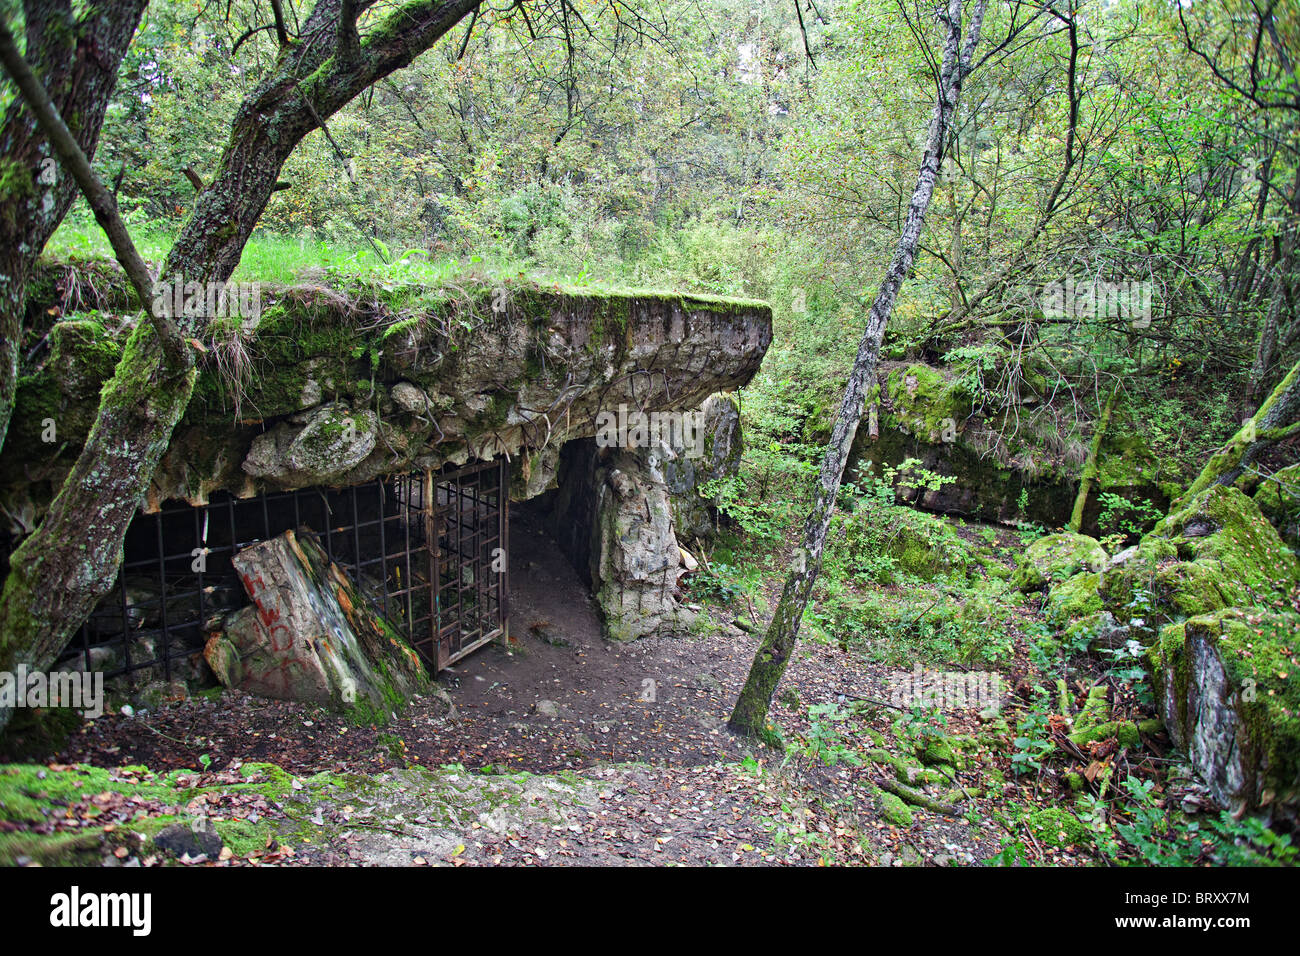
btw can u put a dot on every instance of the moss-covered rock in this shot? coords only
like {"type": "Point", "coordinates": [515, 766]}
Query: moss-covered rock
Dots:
{"type": "Point", "coordinates": [1056, 827]}
{"type": "Point", "coordinates": [936, 750]}
{"type": "Point", "coordinates": [1228, 686]}
{"type": "Point", "coordinates": [1216, 551]}
{"type": "Point", "coordinates": [893, 809]}
{"type": "Point", "coordinates": [57, 398]}
{"type": "Point", "coordinates": [428, 375]}
{"type": "Point", "coordinates": [1074, 599]}
{"type": "Point", "coordinates": [1056, 557]}
{"type": "Point", "coordinates": [1226, 531]}
{"type": "Point", "coordinates": [927, 404]}
{"type": "Point", "coordinates": [319, 449]}
{"type": "Point", "coordinates": [1127, 462]}
{"type": "Point", "coordinates": [882, 544]}
{"type": "Point", "coordinates": [1128, 733]}
{"type": "Point", "coordinates": [1095, 709]}
{"type": "Point", "coordinates": [1100, 631]}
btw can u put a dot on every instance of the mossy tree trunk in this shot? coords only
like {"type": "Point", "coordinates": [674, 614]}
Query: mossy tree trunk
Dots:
{"type": "Point", "coordinates": [749, 716]}
{"type": "Point", "coordinates": [76, 59]}
{"type": "Point", "coordinates": [140, 394]}
{"type": "Point", "coordinates": [1091, 467]}
{"type": "Point", "coordinates": [63, 568]}
{"type": "Point", "coordinates": [1278, 418]}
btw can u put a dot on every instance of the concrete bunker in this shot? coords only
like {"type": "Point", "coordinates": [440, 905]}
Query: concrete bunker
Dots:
{"type": "Point", "coordinates": [398, 428]}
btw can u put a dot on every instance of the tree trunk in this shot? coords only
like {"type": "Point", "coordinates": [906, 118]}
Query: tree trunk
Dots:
{"type": "Point", "coordinates": [1267, 351]}
{"type": "Point", "coordinates": [1277, 418]}
{"type": "Point", "coordinates": [750, 714]}
{"type": "Point", "coordinates": [75, 162]}
{"type": "Point", "coordinates": [1090, 467]}
{"type": "Point", "coordinates": [62, 569]}
{"type": "Point", "coordinates": [71, 560]}
{"type": "Point", "coordinates": [962, 312]}
{"type": "Point", "coordinates": [76, 61]}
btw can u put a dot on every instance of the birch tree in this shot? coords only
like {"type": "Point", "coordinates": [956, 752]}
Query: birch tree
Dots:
{"type": "Point", "coordinates": [749, 716]}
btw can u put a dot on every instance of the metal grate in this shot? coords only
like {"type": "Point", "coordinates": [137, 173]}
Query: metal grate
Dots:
{"type": "Point", "coordinates": [177, 583]}
{"type": "Point", "coordinates": [471, 596]}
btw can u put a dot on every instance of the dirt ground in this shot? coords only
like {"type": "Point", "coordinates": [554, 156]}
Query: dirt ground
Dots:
{"type": "Point", "coordinates": [648, 771]}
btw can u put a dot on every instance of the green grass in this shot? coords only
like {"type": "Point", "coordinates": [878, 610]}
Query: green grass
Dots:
{"type": "Point", "coordinates": [85, 241]}
{"type": "Point", "coordinates": [266, 258]}
{"type": "Point", "coordinates": [269, 257]}
{"type": "Point", "coordinates": [284, 259]}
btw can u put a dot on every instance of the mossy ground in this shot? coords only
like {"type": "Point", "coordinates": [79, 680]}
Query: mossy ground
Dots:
{"type": "Point", "coordinates": [66, 814]}
{"type": "Point", "coordinates": [1056, 827]}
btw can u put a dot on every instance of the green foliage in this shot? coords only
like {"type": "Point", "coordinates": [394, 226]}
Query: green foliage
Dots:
{"type": "Point", "coordinates": [718, 582]}
{"type": "Point", "coordinates": [885, 543]}
{"type": "Point", "coordinates": [922, 727]}
{"type": "Point", "coordinates": [732, 495]}
{"type": "Point", "coordinates": [1013, 853]}
{"type": "Point", "coordinates": [1032, 742]}
{"type": "Point", "coordinates": [1124, 520]}
{"type": "Point", "coordinates": [1153, 834]}
{"type": "Point", "coordinates": [824, 740]}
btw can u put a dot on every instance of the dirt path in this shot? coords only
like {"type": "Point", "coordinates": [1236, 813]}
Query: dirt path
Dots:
{"type": "Point", "coordinates": [628, 742]}
{"type": "Point", "coordinates": [566, 698]}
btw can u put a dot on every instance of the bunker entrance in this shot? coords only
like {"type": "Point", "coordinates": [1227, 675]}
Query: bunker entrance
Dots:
{"type": "Point", "coordinates": [426, 549]}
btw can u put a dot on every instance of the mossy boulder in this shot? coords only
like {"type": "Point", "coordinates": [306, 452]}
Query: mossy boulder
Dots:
{"type": "Point", "coordinates": [893, 809]}
{"type": "Point", "coordinates": [936, 750]}
{"type": "Point", "coordinates": [1216, 551]}
{"type": "Point", "coordinates": [927, 404]}
{"type": "Point", "coordinates": [1059, 828]}
{"type": "Point", "coordinates": [1126, 732]}
{"type": "Point", "coordinates": [1127, 462]}
{"type": "Point", "coordinates": [1228, 687]}
{"type": "Point", "coordinates": [1101, 630]}
{"type": "Point", "coordinates": [1056, 557]}
{"type": "Point", "coordinates": [1074, 599]}
{"type": "Point", "coordinates": [883, 543]}
{"type": "Point", "coordinates": [1224, 529]}
{"type": "Point", "coordinates": [926, 415]}
{"type": "Point", "coordinates": [58, 397]}
{"type": "Point", "coordinates": [315, 448]}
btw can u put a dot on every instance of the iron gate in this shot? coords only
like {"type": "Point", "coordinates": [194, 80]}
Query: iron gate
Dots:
{"type": "Point", "coordinates": [462, 519]}
{"type": "Point", "coordinates": [428, 549]}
